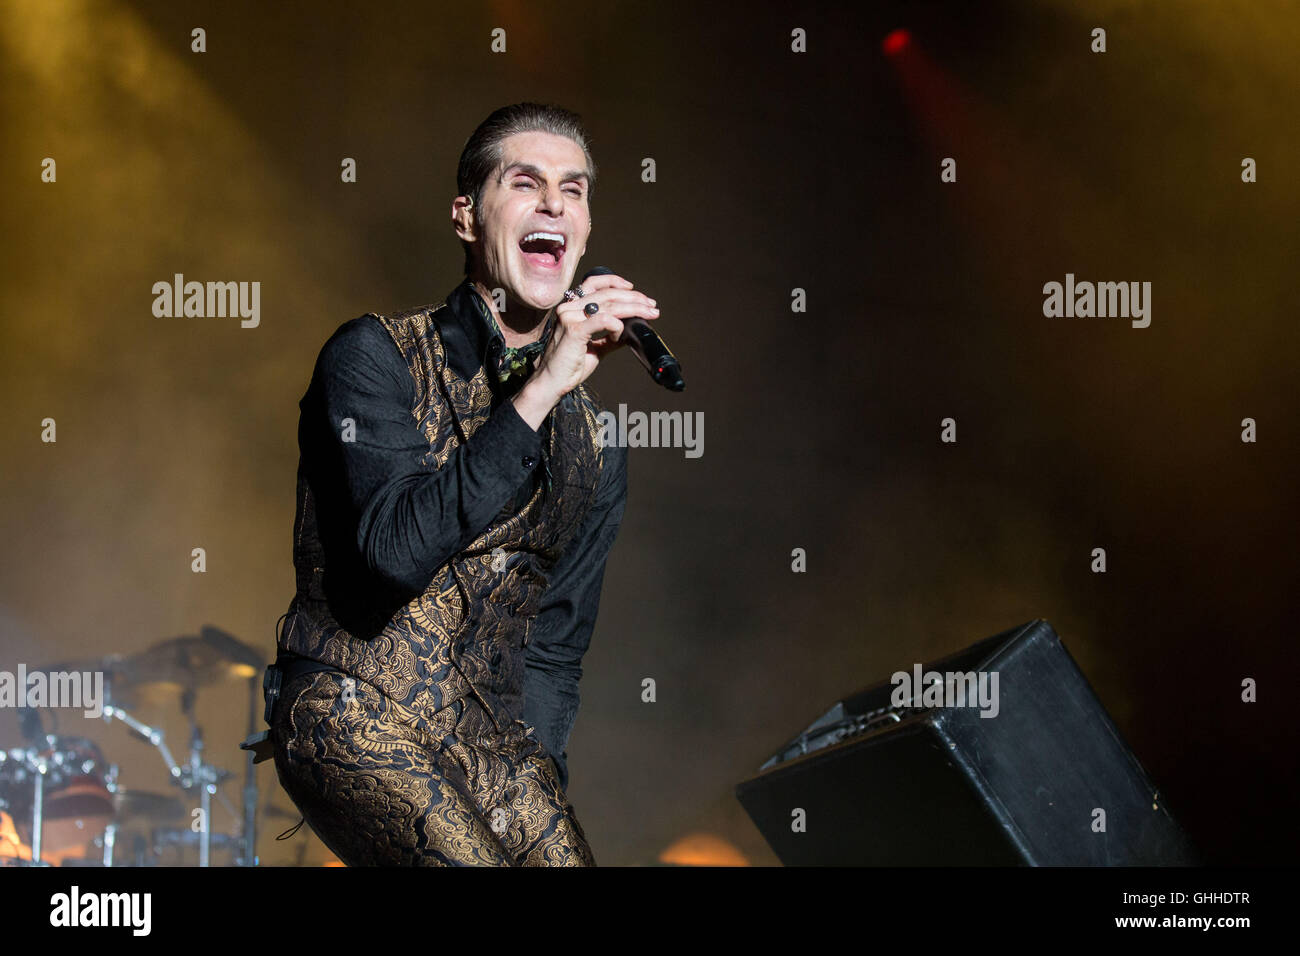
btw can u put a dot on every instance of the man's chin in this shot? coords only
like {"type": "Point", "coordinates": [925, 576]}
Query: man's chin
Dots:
{"type": "Point", "coordinates": [544, 295]}
{"type": "Point", "coordinates": [542, 303]}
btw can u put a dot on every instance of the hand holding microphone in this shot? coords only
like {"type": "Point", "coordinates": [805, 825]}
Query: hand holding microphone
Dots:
{"type": "Point", "coordinates": [644, 341]}
{"type": "Point", "coordinates": [602, 313]}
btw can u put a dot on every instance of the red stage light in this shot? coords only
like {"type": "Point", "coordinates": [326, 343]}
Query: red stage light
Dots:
{"type": "Point", "coordinates": [895, 42]}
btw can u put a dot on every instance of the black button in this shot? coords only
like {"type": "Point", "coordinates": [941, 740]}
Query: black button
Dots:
{"type": "Point", "coordinates": [529, 461]}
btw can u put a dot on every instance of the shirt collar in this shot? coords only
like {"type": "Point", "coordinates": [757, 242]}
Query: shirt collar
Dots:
{"type": "Point", "coordinates": [484, 345]}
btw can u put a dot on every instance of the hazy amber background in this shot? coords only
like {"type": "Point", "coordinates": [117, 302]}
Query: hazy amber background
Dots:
{"type": "Point", "coordinates": [775, 170]}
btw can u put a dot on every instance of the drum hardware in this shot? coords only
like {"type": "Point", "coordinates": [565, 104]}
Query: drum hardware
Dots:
{"type": "Point", "coordinates": [70, 794]}
{"type": "Point", "coordinates": [188, 663]}
{"type": "Point", "coordinates": [63, 786]}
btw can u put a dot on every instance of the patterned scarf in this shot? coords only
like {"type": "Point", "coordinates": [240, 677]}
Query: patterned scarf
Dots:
{"type": "Point", "coordinates": [519, 362]}
{"type": "Point", "coordinates": [516, 364]}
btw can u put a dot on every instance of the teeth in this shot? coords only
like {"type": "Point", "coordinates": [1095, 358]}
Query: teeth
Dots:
{"type": "Point", "coordinates": [552, 236]}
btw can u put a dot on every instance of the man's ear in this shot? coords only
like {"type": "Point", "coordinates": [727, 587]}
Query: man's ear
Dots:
{"type": "Point", "coordinates": [462, 217]}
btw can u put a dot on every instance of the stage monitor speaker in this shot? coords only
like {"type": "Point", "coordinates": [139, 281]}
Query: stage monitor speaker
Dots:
{"type": "Point", "coordinates": [1030, 772]}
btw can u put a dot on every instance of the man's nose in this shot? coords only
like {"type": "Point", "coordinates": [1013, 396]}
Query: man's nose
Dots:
{"type": "Point", "coordinates": [552, 200]}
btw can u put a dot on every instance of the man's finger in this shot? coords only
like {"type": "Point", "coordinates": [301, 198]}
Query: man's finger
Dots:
{"type": "Point", "coordinates": [609, 281]}
{"type": "Point", "coordinates": [619, 302]}
{"type": "Point", "coordinates": [611, 299]}
{"type": "Point", "coordinates": [600, 326]}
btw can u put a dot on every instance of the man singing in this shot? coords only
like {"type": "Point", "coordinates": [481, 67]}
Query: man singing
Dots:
{"type": "Point", "coordinates": [456, 507]}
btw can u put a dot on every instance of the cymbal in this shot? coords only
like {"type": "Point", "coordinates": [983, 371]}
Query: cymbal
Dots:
{"type": "Point", "coordinates": [192, 661]}
{"type": "Point", "coordinates": [234, 649]}
{"type": "Point", "coordinates": [116, 669]}
{"type": "Point", "coordinates": [143, 803]}
{"type": "Point", "coordinates": [109, 663]}
{"type": "Point", "coordinates": [177, 664]}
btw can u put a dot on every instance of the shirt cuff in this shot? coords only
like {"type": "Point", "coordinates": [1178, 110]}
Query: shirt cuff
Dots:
{"type": "Point", "coordinates": [518, 445]}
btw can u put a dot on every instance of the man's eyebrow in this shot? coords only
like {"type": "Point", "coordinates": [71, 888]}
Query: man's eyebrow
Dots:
{"type": "Point", "coordinates": [536, 173]}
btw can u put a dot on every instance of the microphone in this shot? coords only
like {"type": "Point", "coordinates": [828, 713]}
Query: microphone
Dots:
{"type": "Point", "coordinates": [649, 348]}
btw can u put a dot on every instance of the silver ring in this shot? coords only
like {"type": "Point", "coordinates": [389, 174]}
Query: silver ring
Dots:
{"type": "Point", "coordinates": [574, 293]}
{"type": "Point", "coordinates": [591, 308]}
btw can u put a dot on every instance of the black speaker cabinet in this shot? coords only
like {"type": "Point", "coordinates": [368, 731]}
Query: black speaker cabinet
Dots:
{"type": "Point", "coordinates": [1031, 772]}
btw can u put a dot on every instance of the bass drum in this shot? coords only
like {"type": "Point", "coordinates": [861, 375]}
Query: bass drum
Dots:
{"type": "Point", "coordinates": [78, 804]}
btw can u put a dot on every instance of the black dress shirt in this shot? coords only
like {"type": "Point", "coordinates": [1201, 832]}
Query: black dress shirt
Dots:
{"type": "Point", "coordinates": [410, 521]}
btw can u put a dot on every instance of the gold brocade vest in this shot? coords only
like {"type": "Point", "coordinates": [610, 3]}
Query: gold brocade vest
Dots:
{"type": "Point", "coordinates": [465, 634]}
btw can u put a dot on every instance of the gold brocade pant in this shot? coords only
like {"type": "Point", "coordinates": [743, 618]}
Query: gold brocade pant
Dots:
{"type": "Point", "coordinates": [384, 786]}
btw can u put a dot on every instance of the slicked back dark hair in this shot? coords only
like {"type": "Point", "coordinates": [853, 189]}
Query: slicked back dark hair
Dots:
{"type": "Point", "coordinates": [482, 157]}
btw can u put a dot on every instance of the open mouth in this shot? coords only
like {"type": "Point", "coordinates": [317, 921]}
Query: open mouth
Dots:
{"type": "Point", "coordinates": [545, 250]}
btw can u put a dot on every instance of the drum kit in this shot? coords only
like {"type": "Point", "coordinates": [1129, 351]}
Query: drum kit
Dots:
{"type": "Point", "coordinates": [61, 803]}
